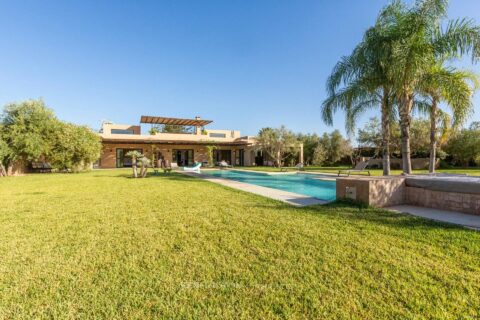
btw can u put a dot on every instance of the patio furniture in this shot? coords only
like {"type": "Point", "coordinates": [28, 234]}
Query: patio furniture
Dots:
{"type": "Point", "coordinates": [195, 168]}
{"type": "Point", "coordinates": [42, 167]}
{"type": "Point", "coordinates": [223, 164]}
{"type": "Point", "coordinates": [359, 168]}
{"type": "Point", "coordinates": [300, 167]}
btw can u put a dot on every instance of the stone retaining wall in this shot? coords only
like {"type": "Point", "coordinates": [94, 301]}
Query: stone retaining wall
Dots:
{"type": "Point", "coordinates": [391, 191]}
{"type": "Point", "coordinates": [462, 202]}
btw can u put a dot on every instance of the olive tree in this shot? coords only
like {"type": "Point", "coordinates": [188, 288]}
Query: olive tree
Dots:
{"type": "Point", "coordinates": [74, 147]}
{"type": "Point", "coordinates": [277, 143]}
{"type": "Point", "coordinates": [27, 128]}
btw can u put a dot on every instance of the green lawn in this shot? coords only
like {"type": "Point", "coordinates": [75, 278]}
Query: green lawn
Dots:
{"type": "Point", "coordinates": [375, 172]}
{"type": "Point", "coordinates": [103, 245]}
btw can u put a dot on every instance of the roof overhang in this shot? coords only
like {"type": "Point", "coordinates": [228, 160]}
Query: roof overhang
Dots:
{"type": "Point", "coordinates": [170, 142]}
{"type": "Point", "coordinates": [174, 121]}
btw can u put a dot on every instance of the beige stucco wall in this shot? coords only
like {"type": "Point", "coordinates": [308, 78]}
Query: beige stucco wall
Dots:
{"type": "Point", "coordinates": [107, 128]}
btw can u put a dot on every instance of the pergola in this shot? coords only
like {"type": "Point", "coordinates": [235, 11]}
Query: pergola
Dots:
{"type": "Point", "coordinates": [175, 121]}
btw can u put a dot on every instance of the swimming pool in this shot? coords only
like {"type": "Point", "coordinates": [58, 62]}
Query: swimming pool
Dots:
{"type": "Point", "coordinates": [306, 184]}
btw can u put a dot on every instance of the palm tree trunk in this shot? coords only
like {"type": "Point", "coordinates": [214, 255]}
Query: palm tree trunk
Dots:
{"type": "Point", "coordinates": [279, 159]}
{"type": "Point", "coordinates": [433, 140]}
{"type": "Point", "coordinates": [3, 171]}
{"type": "Point", "coordinates": [405, 121]}
{"type": "Point", "coordinates": [385, 134]}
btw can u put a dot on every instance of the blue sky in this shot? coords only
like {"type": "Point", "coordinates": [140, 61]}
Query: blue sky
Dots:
{"type": "Point", "coordinates": [244, 64]}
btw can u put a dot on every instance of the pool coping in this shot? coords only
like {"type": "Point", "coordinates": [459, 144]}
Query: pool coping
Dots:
{"type": "Point", "coordinates": [295, 199]}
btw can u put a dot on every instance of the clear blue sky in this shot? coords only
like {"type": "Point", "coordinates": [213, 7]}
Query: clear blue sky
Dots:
{"type": "Point", "coordinates": [243, 64]}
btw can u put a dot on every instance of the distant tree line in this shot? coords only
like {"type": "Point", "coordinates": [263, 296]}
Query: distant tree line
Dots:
{"type": "Point", "coordinates": [30, 132]}
{"type": "Point", "coordinates": [455, 146]}
{"type": "Point", "coordinates": [283, 146]}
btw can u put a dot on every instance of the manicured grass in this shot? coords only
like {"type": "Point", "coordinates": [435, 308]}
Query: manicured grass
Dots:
{"type": "Point", "coordinates": [103, 245]}
{"type": "Point", "coordinates": [375, 172]}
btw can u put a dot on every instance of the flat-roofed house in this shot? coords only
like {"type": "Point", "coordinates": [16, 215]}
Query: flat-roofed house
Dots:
{"type": "Point", "coordinates": [182, 148]}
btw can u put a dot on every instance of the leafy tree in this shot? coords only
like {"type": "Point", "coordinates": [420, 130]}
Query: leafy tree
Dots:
{"type": "Point", "coordinates": [319, 155]}
{"type": "Point", "coordinates": [420, 133]}
{"type": "Point", "coordinates": [336, 147]}
{"type": "Point", "coordinates": [370, 136]}
{"type": "Point", "coordinates": [277, 143]}
{"type": "Point", "coordinates": [475, 125]}
{"type": "Point", "coordinates": [310, 143]}
{"type": "Point", "coordinates": [27, 128]}
{"type": "Point", "coordinates": [464, 147]}
{"type": "Point", "coordinates": [5, 153]}
{"type": "Point", "coordinates": [74, 147]}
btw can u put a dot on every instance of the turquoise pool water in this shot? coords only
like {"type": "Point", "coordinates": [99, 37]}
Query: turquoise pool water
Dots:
{"type": "Point", "coordinates": [306, 184]}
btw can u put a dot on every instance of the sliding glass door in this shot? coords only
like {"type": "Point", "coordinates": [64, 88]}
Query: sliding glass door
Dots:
{"type": "Point", "coordinates": [239, 155]}
{"type": "Point", "coordinates": [183, 157]}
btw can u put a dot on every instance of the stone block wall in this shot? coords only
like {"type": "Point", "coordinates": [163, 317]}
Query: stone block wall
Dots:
{"type": "Point", "coordinates": [374, 191]}
{"type": "Point", "coordinates": [453, 201]}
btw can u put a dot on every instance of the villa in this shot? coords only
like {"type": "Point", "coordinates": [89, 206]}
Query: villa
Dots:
{"type": "Point", "coordinates": [181, 148]}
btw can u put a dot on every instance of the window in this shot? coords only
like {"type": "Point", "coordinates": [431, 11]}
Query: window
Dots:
{"type": "Point", "coordinates": [217, 135]}
{"type": "Point", "coordinates": [122, 131]}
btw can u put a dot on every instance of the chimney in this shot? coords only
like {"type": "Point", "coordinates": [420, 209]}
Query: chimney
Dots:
{"type": "Point", "coordinates": [198, 130]}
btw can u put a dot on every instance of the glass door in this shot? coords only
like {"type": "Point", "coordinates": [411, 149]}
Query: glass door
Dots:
{"type": "Point", "coordinates": [239, 157]}
{"type": "Point", "coordinates": [183, 157]}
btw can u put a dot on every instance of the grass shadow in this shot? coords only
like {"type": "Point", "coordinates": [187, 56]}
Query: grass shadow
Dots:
{"type": "Point", "coordinates": [352, 211]}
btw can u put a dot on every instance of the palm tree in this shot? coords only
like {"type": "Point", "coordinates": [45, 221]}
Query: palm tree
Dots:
{"type": "Point", "coordinates": [364, 75]}
{"type": "Point", "coordinates": [455, 88]}
{"type": "Point", "coordinates": [418, 41]}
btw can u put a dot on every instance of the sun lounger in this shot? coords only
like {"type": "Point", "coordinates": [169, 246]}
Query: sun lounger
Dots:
{"type": "Point", "coordinates": [300, 167]}
{"type": "Point", "coordinates": [359, 168]}
{"type": "Point", "coordinates": [223, 164]}
{"type": "Point", "coordinates": [195, 168]}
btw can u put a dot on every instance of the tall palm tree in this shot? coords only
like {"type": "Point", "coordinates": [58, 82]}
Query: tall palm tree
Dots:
{"type": "Point", "coordinates": [453, 87]}
{"type": "Point", "coordinates": [360, 82]}
{"type": "Point", "coordinates": [418, 41]}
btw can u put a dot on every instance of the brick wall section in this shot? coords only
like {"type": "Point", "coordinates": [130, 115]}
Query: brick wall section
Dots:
{"type": "Point", "coordinates": [108, 157]}
{"type": "Point", "coordinates": [461, 202]}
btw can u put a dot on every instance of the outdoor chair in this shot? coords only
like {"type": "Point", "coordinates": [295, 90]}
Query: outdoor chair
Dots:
{"type": "Point", "coordinates": [300, 167]}
{"type": "Point", "coordinates": [195, 168]}
{"type": "Point", "coordinates": [359, 168]}
{"type": "Point", "coordinates": [223, 164]}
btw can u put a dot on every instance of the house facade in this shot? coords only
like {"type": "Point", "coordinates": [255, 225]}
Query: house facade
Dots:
{"type": "Point", "coordinates": [184, 148]}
